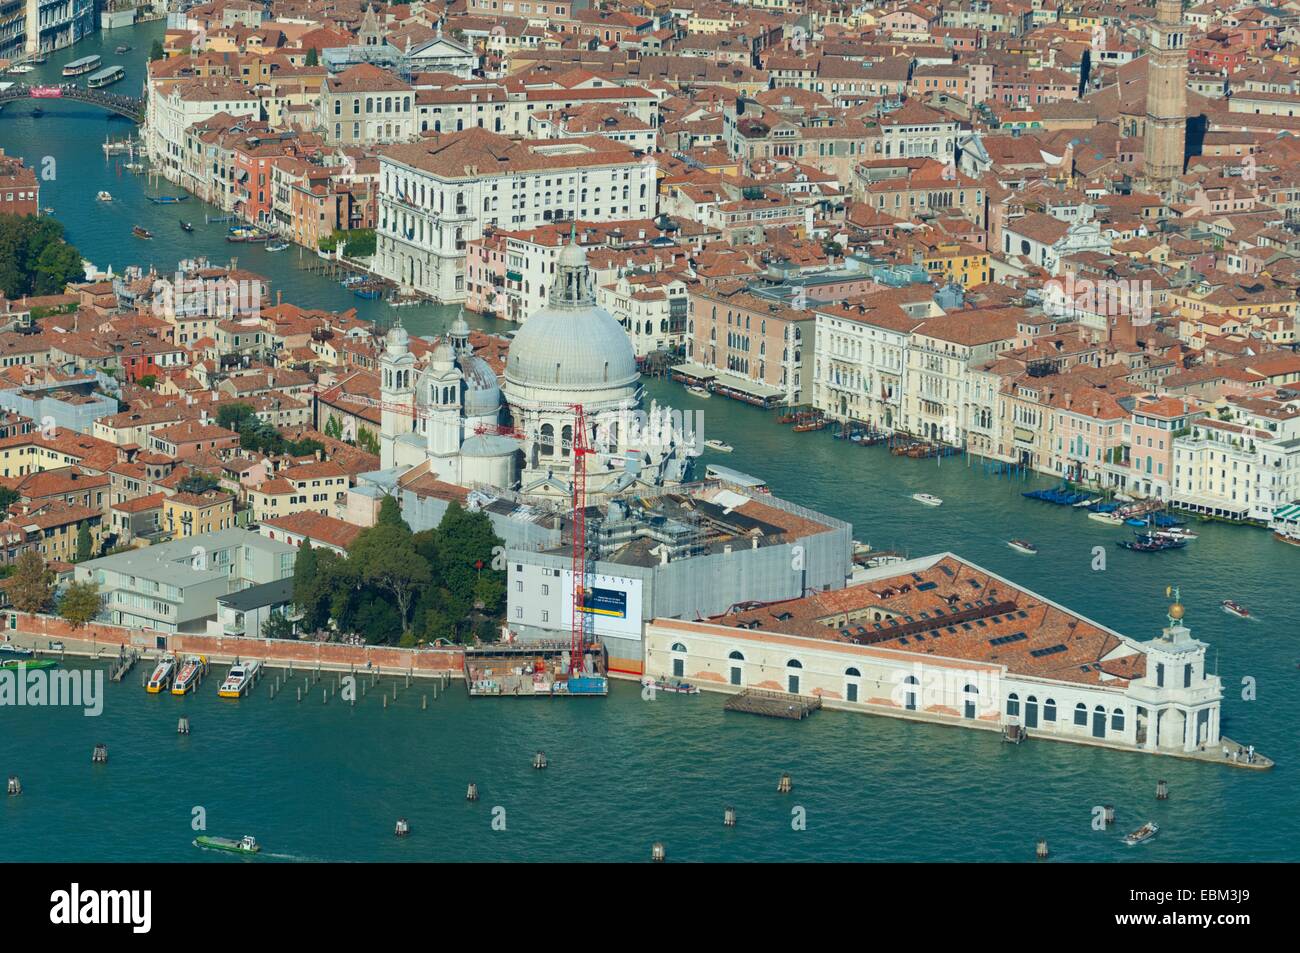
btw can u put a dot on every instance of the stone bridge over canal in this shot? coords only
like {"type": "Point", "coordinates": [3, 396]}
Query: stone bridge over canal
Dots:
{"type": "Point", "coordinates": [127, 106]}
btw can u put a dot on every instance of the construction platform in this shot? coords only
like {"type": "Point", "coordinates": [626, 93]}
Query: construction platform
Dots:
{"type": "Point", "coordinates": [759, 701]}
{"type": "Point", "coordinates": [534, 670]}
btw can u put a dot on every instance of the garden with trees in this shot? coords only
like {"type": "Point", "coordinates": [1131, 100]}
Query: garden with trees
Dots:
{"type": "Point", "coordinates": [396, 586]}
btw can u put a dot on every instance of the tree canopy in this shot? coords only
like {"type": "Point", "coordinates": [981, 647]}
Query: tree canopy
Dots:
{"type": "Point", "coordinates": [32, 588]}
{"type": "Point", "coordinates": [34, 258]}
{"type": "Point", "coordinates": [395, 585]}
{"type": "Point", "coordinates": [80, 604]}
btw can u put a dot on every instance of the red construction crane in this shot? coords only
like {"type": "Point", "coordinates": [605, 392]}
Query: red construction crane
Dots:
{"type": "Point", "coordinates": [581, 620]}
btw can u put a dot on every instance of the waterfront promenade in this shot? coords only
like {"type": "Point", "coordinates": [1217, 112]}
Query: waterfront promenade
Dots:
{"type": "Point", "coordinates": [101, 640]}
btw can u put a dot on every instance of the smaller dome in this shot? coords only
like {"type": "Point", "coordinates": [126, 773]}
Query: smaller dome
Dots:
{"type": "Point", "coordinates": [1176, 611]}
{"type": "Point", "coordinates": [397, 339]}
{"type": "Point", "coordinates": [571, 256]}
{"type": "Point", "coordinates": [443, 357]}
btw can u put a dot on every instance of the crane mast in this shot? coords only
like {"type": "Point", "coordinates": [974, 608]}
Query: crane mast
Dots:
{"type": "Point", "coordinates": [581, 619]}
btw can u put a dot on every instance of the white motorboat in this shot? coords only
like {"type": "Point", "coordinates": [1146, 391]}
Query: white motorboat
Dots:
{"type": "Point", "coordinates": [1023, 546]}
{"type": "Point", "coordinates": [238, 680]}
{"type": "Point", "coordinates": [103, 196]}
{"type": "Point", "coordinates": [1142, 834]}
{"type": "Point", "coordinates": [928, 499]}
{"type": "Point", "coordinates": [1110, 519]}
{"type": "Point", "coordinates": [698, 392]}
{"type": "Point", "coordinates": [719, 446]}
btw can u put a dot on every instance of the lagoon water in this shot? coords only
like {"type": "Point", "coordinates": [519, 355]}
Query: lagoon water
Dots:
{"type": "Point", "coordinates": [327, 782]}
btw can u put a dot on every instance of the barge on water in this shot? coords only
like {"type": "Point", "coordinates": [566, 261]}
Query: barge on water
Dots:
{"type": "Point", "coordinates": [538, 669]}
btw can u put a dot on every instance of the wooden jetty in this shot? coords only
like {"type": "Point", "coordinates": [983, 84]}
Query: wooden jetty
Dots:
{"type": "Point", "coordinates": [124, 663]}
{"type": "Point", "coordinates": [760, 701]}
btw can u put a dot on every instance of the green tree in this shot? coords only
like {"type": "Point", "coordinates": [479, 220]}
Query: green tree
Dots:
{"type": "Point", "coordinates": [367, 441]}
{"type": "Point", "coordinates": [33, 583]}
{"type": "Point", "coordinates": [34, 258]}
{"type": "Point", "coordinates": [80, 603]}
{"type": "Point", "coordinates": [8, 497]}
{"type": "Point", "coordinates": [277, 626]}
{"type": "Point", "coordinates": [467, 549]}
{"type": "Point", "coordinates": [312, 58]}
{"type": "Point", "coordinates": [234, 416]}
{"type": "Point", "coordinates": [57, 264]}
{"type": "Point", "coordinates": [308, 594]}
{"type": "Point", "coordinates": [156, 51]}
{"type": "Point", "coordinates": [85, 544]}
{"type": "Point", "coordinates": [384, 557]}
{"type": "Point", "coordinates": [149, 380]}
{"type": "Point", "coordinates": [333, 428]}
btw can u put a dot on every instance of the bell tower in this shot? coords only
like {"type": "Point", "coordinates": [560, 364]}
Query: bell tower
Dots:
{"type": "Point", "coordinates": [396, 391]}
{"type": "Point", "coordinates": [1166, 120]}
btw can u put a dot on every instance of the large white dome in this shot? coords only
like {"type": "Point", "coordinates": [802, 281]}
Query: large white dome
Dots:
{"type": "Point", "coordinates": [571, 348]}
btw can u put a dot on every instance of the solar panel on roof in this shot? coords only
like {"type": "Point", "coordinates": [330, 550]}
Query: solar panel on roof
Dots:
{"type": "Point", "coordinates": [923, 587]}
{"type": "Point", "coordinates": [1007, 639]}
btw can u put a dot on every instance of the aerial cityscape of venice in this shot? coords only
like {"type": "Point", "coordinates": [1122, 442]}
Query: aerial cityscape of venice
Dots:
{"type": "Point", "coordinates": [643, 431]}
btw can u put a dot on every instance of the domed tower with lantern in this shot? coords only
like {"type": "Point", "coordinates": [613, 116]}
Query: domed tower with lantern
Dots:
{"type": "Point", "coordinates": [573, 353]}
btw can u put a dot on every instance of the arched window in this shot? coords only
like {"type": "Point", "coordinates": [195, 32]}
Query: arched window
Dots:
{"type": "Point", "coordinates": [850, 684]}
{"type": "Point", "coordinates": [679, 660]}
{"type": "Point", "coordinates": [1117, 720]}
{"type": "Point", "coordinates": [737, 668]}
{"type": "Point", "coordinates": [1081, 714]}
{"type": "Point", "coordinates": [972, 695]}
{"type": "Point", "coordinates": [794, 663]}
{"type": "Point", "coordinates": [1049, 710]}
{"type": "Point", "coordinates": [546, 442]}
{"type": "Point", "coordinates": [1013, 704]}
{"type": "Point", "coordinates": [566, 440]}
{"type": "Point", "coordinates": [852, 673]}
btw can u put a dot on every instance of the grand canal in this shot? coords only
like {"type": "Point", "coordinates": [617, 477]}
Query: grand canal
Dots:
{"type": "Point", "coordinates": [325, 782]}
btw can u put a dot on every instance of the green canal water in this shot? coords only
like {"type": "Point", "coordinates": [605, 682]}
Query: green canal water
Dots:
{"type": "Point", "coordinates": [320, 781]}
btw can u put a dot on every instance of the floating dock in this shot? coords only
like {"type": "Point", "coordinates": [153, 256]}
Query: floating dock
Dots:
{"type": "Point", "coordinates": [759, 701]}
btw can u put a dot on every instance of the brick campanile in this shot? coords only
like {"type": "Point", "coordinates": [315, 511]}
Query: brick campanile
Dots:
{"type": "Point", "coordinates": [1166, 123]}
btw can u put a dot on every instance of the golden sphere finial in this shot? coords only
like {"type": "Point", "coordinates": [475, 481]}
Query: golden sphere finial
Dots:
{"type": "Point", "coordinates": [1176, 611]}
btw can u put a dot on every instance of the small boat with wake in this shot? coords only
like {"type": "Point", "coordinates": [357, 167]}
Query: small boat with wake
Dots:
{"type": "Point", "coordinates": [1235, 608]}
{"type": "Point", "coordinates": [102, 196]}
{"type": "Point", "coordinates": [162, 676]}
{"type": "Point", "coordinates": [139, 231]}
{"type": "Point", "coordinates": [1023, 546]}
{"type": "Point", "coordinates": [245, 845]}
{"type": "Point", "coordinates": [719, 446]}
{"type": "Point", "coordinates": [1174, 532]}
{"type": "Point", "coordinates": [1142, 834]}
{"type": "Point", "coordinates": [928, 499]}
{"type": "Point", "coordinates": [699, 392]}
{"type": "Point", "coordinates": [186, 226]}
{"type": "Point", "coordinates": [278, 244]}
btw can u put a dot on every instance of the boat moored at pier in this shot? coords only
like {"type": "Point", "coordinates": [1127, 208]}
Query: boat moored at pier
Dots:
{"type": "Point", "coordinates": [191, 673]}
{"type": "Point", "coordinates": [163, 674]}
{"type": "Point", "coordinates": [239, 680]}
